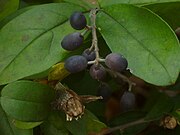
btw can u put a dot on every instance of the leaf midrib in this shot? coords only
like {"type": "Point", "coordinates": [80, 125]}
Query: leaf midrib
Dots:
{"type": "Point", "coordinates": [40, 35]}
{"type": "Point", "coordinates": [26, 101]}
{"type": "Point", "coordinates": [141, 44]}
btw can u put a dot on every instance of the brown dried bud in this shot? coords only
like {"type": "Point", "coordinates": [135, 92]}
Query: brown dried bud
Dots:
{"type": "Point", "coordinates": [169, 122]}
{"type": "Point", "coordinates": [71, 103]}
{"type": "Point", "coordinates": [68, 101]}
{"type": "Point", "coordinates": [73, 106]}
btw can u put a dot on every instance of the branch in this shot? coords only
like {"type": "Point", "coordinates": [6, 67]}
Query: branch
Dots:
{"type": "Point", "coordinates": [122, 127]}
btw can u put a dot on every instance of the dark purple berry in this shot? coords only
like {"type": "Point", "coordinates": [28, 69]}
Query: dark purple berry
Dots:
{"type": "Point", "coordinates": [128, 101]}
{"type": "Point", "coordinates": [75, 63]}
{"type": "Point", "coordinates": [89, 55]}
{"type": "Point", "coordinates": [97, 72]}
{"type": "Point", "coordinates": [105, 91]}
{"type": "Point", "coordinates": [72, 41]}
{"type": "Point", "coordinates": [116, 62]}
{"type": "Point", "coordinates": [78, 21]}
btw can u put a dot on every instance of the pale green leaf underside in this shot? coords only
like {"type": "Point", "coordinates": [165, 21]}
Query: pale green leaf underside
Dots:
{"type": "Point", "coordinates": [30, 43]}
{"type": "Point", "coordinates": [152, 50]}
{"type": "Point", "coordinates": [87, 4]}
{"type": "Point", "coordinates": [104, 3]}
{"type": "Point", "coordinates": [7, 127]}
{"type": "Point", "coordinates": [26, 125]}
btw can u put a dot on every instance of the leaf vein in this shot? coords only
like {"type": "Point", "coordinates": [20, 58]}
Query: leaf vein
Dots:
{"type": "Point", "coordinates": [31, 43]}
{"type": "Point", "coordinates": [142, 45]}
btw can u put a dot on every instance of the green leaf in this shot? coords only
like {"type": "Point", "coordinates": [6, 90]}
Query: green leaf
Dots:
{"type": "Point", "coordinates": [163, 106]}
{"type": "Point", "coordinates": [7, 127]}
{"type": "Point", "coordinates": [8, 7]}
{"type": "Point", "coordinates": [13, 15]}
{"type": "Point", "coordinates": [126, 118]}
{"type": "Point", "coordinates": [93, 124]}
{"type": "Point", "coordinates": [49, 129]}
{"type": "Point", "coordinates": [168, 11]}
{"type": "Point", "coordinates": [30, 43]}
{"type": "Point", "coordinates": [104, 3]}
{"type": "Point", "coordinates": [26, 125]}
{"type": "Point", "coordinates": [87, 4]}
{"type": "Point", "coordinates": [18, 131]}
{"type": "Point", "coordinates": [77, 127]}
{"type": "Point", "coordinates": [87, 124]}
{"type": "Point", "coordinates": [176, 115]}
{"type": "Point", "coordinates": [148, 43]}
{"type": "Point", "coordinates": [129, 117]}
{"type": "Point", "coordinates": [54, 125]}
{"type": "Point", "coordinates": [26, 100]}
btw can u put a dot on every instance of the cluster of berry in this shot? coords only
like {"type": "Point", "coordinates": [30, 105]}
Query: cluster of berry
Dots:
{"type": "Point", "coordinates": [113, 61]}
{"type": "Point", "coordinates": [78, 63]}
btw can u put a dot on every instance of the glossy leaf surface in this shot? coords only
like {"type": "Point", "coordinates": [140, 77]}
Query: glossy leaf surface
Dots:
{"type": "Point", "coordinates": [104, 3]}
{"type": "Point", "coordinates": [26, 100]}
{"type": "Point", "coordinates": [7, 127]}
{"type": "Point", "coordinates": [33, 45]}
{"type": "Point", "coordinates": [148, 43]}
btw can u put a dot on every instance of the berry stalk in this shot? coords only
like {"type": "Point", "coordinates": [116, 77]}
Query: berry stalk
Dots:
{"type": "Point", "coordinates": [94, 35]}
{"type": "Point", "coordinates": [118, 74]}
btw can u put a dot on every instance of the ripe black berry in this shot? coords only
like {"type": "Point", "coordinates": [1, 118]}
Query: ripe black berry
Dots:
{"type": "Point", "coordinates": [89, 55]}
{"type": "Point", "coordinates": [78, 21]}
{"type": "Point", "coordinates": [72, 41]}
{"type": "Point", "coordinates": [105, 91]}
{"type": "Point", "coordinates": [75, 63]}
{"type": "Point", "coordinates": [128, 101]}
{"type": "Point", "coordinates": [116, 62]}
{"type": "Point", "coordinates": [97, 72]}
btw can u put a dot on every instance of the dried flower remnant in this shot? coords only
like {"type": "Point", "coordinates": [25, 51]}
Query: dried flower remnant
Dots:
{"type": "Point", "coordinates": [169, 122]}
{"type": "Point", "coordinates": [70, 102]}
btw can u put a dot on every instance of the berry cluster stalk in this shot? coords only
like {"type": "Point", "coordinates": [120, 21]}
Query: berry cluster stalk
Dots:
{"type": "Point", "coordinates": [96, 49]}
{"type": "Point", "coordinates": [94, 35]}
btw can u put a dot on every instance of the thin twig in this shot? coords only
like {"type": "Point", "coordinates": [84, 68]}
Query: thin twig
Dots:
{"type": "Point", "coordinates": [122, 127]}
{"type": "Point", "coordinates": [118, 74]}
{"type": "Point", "coordinates": [84, 32]}
{"type": "Point", "coordinates": [89, 98]}
{"type": "Point", "coordinates": [94, 61]}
